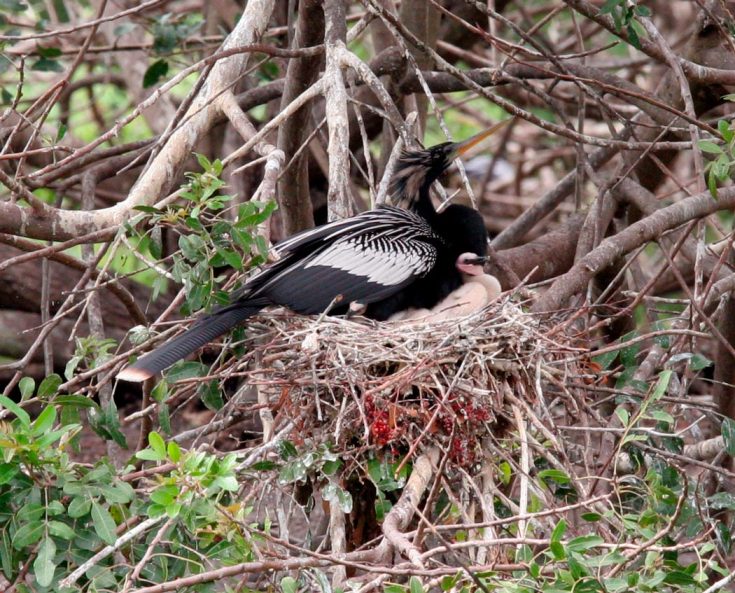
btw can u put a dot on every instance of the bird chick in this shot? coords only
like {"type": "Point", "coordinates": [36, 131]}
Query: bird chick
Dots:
{"type": "Point", "coordinates": [476, 292]}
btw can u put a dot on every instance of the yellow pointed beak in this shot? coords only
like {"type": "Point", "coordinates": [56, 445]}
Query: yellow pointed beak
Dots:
{"type": "Point", "coordinates": [462, 147]}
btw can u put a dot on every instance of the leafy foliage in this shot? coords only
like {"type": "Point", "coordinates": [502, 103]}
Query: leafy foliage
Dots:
{"type": "Point", "coordinates": [624, 15]}
{"type": "Point", "coordinates": [207, 240]}
{"type": "Point", "coordinates": [722, 158]}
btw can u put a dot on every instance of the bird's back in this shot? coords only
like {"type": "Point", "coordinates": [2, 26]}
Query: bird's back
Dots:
{"type": "Point", "coordinates": [366, 258]}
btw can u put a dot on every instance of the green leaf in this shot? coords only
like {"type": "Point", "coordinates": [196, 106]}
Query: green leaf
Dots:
{"type": "Point", "coordinates": [710, 147]}
{"type": "Point", "coordinates": [584, 542]}
{"type": "Point", "coordinates": [263, 466]}
{"type": "Point", "coordinates": [75, 401]}
{"type": "Point", "coordinates": [728, 435]}
{"type": "Point", "coordinates": [62, 530]}
{"type": "Point", "coordinates": [724, 537]}
{"type": "Point", "coordinates": [293, 471]}
{"type": "Point", "coordinates": [7, 566]}
{"type": "Point", "coordinates": [186, 370]}
{"type": "Point", "coordinates": [661, 416]}
{"type": "Point", "coordinates": [449, 582]}
{"type": "Point", "coordinates": [104, 524]}
{"type": "Point", "coordinates": [721, 500]}
{"type": "Point", "coordinates": [45, 421]}
{"type": "Point", "coordinates": [331, 467]}
{"type": "Point", "coordinates": [174, 451]}
{"type": "Point", "coordinates": [699, 362]}
{"type": "Point", "coordinates": [610, 6]}
{"type": "Point", "coordinates": [13, 5]}
{"type": "Point", "coordinates": [28, 534]}
{"type": "Point", "coordinates": [289, 585]}
{"type": "Point", "coordinates": [43, 565]}
{"type": "Point", "coordinates": [60, 133]}
{"type": "Point", "coordinates": [19, 412]}
{"type": "Point", "coordinates": [712, 183]}
{"type": "Point", "coordinates": [46, 65]}
{"type": "Point", "coordinates": [203, 161]}
{"type": "Point", "coordinates": [524, 553]}
{"type": "Point", "coordinates": [211, 396]}
{"type": "Point", "coordinates": [661, 385]}
{"type": "Point", "coordinates": [623, 415]}
{"type": "Point", "coordinates": [606, 359]}
{"type": "Point", "coordinates": [415, 585]}
{"type": "Point", "coordinates": [164, 418]}
{"type": "Point", "coordinates": [79, 506]}
{"type": "Point", "coordinates": [155, 72]}
{"type": "Point", "coordinates": [226, 483]}
{"type": "Point", "coordinates": [49, 386]}
{"type": "Point", "coordinates": [27, 386]}
{"type": "Point", "coordinates": [382, 506]}
{"type": "Point", "coordinates": [286, 449]}
{"type": "Point", "coordinates": [147, 209]}
{"type": "Point", "coordinates": [7, 472]}
{"type": "Point", "coordinates": [557, 550]}
{"type": "Point", "coordinates": [554, 474]}
{"type": "Point", "coordinates": [633, 37]}
{"type": "Point", "coordinates": [48, 52]}
{"type": "Point", "coordinates": [721, 168]}
{"type": "Point", "coordinates": [635, 32]}
{"type": "Point", "coordinates": [71, 366]}
{"type": "Point", "coordinates": [233, 259]}
{"type": "Point", "coordinates": [160, 392]}
{"type": "Point", "coordinates": [723, 126]}
{"type": "Point", "coordinates": [106, 423]}
{"type": "Point", "coordinates": [334, 493]}
{"type": "Point", "coordinates": [123, 29]}
{"type": "Point", "coordinates": [117, 492]}
{"type": "Point", "coordinates": [173, 509]}
{"type": "Point", "coordinates": [635, 438]}
{"type": "Point", "coordinates": [157, 443]}
{"type": "Point", "coordinates": [559, 530]}
{"type": "Point", "coordinates": [628, 355]}
{"type": "Point", "coordinates": [148, 455]}
{"type": "Point", "coordinates": [165, 495]}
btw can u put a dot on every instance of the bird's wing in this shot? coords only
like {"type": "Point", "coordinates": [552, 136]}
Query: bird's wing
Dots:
{"type": "Point", "coordinates": [383, 218]}
{"type": "Point", "coordinates": [368, 260]}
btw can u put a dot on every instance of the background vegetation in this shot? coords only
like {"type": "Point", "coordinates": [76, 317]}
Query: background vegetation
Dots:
{"type": "Point", "coordinates": [150, 154]}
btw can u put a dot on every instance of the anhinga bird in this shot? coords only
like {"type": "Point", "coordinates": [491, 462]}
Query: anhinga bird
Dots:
{"type": "Point", "coordinates": [388, 259]}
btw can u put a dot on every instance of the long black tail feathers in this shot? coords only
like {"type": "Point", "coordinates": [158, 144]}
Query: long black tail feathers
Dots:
{"type": "Point", "coordinates": [203, 331]}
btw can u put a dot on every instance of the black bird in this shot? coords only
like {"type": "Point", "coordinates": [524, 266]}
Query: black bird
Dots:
{"type": "Point", "coordinates": [387, 260]}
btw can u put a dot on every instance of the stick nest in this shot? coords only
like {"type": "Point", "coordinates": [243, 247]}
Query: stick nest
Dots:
{"type": "Point", "coordinates": [403, 385]}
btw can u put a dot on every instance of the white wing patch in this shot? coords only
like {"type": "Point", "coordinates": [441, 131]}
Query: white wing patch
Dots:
{"type": "Point", "coordinates": [376, 263]}
{"type": "Point", "coordinates": [388, 218]}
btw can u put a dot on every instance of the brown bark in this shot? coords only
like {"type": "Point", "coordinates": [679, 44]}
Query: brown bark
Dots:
{"type": "Point", "coordinates": [293, 187]}
{"type": "Point", "coordinates": [20, 289]}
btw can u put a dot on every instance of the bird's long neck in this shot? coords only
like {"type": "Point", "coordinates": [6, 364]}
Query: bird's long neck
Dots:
{"type": "Point", "coordinates": [423, 207]}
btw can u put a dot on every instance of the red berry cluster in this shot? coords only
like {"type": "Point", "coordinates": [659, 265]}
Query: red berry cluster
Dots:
{"type": "Point", "coordinates": [466, 410]}
{"type": "Point", "coordinates": [378, 420]}
{"type": "Point", "coordinates": [379, 429]}
{"type": "Point", "coordinates": [463, 451]}
{"type": "Point", "coordinates": [465, 424]}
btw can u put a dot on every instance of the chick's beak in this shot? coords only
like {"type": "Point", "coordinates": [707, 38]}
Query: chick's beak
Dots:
{"type": "Point", "coordinates": [459, 148]}
{"type": "Point", "coordinates": [476, 261]}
